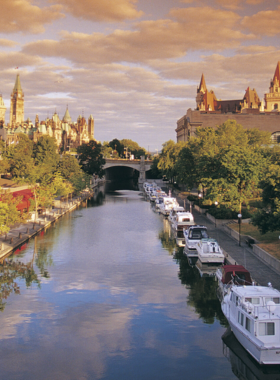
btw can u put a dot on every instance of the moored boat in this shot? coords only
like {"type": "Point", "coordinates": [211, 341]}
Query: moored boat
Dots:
{"type": "Point", "coordinates": [193, 235]}
{"type": "Point", "coordinates": [253, 313]}
{"type": "Point", "coordinates": [183, 220]}
{"type": "Point", "coordinates": [209, 251]}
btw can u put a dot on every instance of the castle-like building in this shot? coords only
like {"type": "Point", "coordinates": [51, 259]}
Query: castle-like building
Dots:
{"type": "Point", "coordinates": [68, 134]}
{"type": "Point", "coordinates": [248, 111]}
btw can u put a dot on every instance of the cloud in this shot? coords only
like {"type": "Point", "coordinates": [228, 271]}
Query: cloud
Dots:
{"type": "Point", "coordinates": [192, 29]}
{"type": "Point", "coordinates": [22, 16]}
{"type": "Point", "coordinates": [105, 10]}
{"type": "Point", "coordinates": [7, 43]}
{"type": "Point", "coordinates": [263, 23]}
{"type": "Point", "coordinates": [229, 4]}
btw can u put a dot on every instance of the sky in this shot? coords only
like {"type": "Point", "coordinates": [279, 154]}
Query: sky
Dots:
{"type": "Point", "coordinates": [134, 64]}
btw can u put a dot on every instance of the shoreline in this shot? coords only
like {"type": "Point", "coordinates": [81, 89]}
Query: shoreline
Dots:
{"type": "Point", "coordinates": [22, 233]}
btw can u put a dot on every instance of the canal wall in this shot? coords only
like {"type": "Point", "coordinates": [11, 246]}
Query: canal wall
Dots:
{"type": "Point", "coordinates": [20, 234]}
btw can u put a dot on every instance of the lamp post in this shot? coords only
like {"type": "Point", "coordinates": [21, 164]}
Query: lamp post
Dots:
{"type": "Point", "coordinates": [239, 222]}
{"type": "Point", "coordinates": [216, 204]}
{"type": "Point", "coordinates": [199, 196]}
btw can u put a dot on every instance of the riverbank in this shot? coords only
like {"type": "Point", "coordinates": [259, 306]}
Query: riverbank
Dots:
{"type": "Point", "coordinates": [20, 234]}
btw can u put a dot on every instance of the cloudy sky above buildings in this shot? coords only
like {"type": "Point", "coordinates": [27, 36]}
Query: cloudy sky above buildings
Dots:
{"type": "Point", "coordinates": [134, 64]}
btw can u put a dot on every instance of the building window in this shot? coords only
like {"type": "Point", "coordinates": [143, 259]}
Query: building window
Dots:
{"type": "Point", "coordinates": [276, 106]}
{"type": "Point", "coordinates": [266, 328]}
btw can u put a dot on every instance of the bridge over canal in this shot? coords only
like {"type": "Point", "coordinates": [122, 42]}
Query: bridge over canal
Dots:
{"type": "Point", "coordinates": [142, 166]}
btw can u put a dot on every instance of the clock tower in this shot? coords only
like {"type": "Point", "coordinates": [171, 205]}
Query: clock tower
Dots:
{"type": "Point", "coordinates": [17, 104]}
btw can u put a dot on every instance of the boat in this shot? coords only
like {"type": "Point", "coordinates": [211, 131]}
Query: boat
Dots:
{"type": "Point", "coordinates": [180, 239]}
{"type": "Point", "coordinates": [167, 205]}
{"type": "Point", "coordinates": [193, 235]}
{"type": "Point", "coordinates": [243, 365]}
{"type": "Point", "coordinates": [183, 220]}
{"type": "Point", "coordinates": [206, 270]}
{"type": "Point", "coordinates": [253, 313]}
{"type": "Point", "coordinates": [232, 274]}
{"type": "Point", "coordinates": [173, 213]}
{"type": "Point", "coordinates": [209, 251]}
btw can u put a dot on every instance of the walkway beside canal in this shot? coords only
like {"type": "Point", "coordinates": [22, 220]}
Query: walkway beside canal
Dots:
{"type": "Point", "coordinates": [21, 233]}
{"type": "Point", "coordinates": [243, 254]}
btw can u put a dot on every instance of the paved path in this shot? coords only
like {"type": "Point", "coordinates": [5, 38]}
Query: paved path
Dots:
{"type": "Point", "coordinates": [260, 272]}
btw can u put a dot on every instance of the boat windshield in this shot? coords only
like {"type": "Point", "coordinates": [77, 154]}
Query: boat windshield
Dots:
{"type": "Point", "coordinates": [198, 233]}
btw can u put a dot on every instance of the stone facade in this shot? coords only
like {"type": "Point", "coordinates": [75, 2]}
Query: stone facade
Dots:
{"type": "Point", "coordinates": [68, 134]}
{"type": "Point", "coordinates": [249, 111]}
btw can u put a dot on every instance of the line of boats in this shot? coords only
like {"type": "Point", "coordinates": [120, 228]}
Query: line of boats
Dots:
{"type": "Point", "coordinates": [253, 312]}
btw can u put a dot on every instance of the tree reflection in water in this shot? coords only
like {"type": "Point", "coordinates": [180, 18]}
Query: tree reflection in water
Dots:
{"type": "Point", "coordinates": [10, 271]}
{"type": "Point", "coordinates": [202, 291]}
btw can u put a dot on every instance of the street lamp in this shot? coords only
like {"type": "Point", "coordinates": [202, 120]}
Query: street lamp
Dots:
{"type": "Point", "coordinates": [200, 196]}
{"type": "Point", "coordinates": [216, 204]}
{"type": "Point", "coordinates": [239, 222]}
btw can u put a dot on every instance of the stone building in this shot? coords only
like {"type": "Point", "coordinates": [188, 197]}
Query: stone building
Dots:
{"type": "Point", "coordinates": [248, 111]}
{"type": "Point", "coordinates": [68, 134]}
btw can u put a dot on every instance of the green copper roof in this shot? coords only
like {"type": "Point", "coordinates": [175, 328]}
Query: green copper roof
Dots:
{"type": "Point", "coordinates": [67, 117]}
{"type": "Point", "coordinates": [17, 85]}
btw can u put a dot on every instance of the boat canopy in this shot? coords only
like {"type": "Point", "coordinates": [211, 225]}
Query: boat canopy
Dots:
{"type": "Point", "coordinates": [238, 273]}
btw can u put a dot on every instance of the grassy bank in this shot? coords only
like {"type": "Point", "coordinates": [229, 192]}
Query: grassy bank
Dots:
{"type": "Point", "coordinates": [269, 242]}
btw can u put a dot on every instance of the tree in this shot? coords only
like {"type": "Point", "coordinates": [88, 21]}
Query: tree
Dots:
{"type": "Point", "coordinates": [238, 178]}
{"type": "Point", "coordinates": [107, 150]}
{"type": "Point", "coordinates": [133, 148]}
{"type": "Point", "coordinates": [91, 158]}
{"type": "Point", "coordinates": [117, 146]}
{"type": "Point", "coordinates": [70, 170]}
{"type": "Point", "coordinates": [268, 219]}
{"type": "Point", "coordinates": [45, 152]}
{"type": "Point", "coordinates": [168, 158]}
{"type": "Point", "coordinates": [9, 214]}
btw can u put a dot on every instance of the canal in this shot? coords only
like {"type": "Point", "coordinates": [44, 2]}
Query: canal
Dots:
{"type": "Point", "coordinates": [105, 293]}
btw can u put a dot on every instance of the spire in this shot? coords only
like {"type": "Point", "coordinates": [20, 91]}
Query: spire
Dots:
{"type": "Point", "coordinates": [202, 86]}
{"type": "Point", "coordinates": [67, 117]}
{"type": "Point", "coordinates": [17, 87]}
{"type": "Point", "coordinates": [277, 73]}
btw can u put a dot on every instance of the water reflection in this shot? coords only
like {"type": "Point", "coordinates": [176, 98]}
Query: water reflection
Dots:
{"type": "Point", "coordinates": [202, 290]}
{"type": "Point", "coordinates": [113, 303]}
{"type": "Point", "coordinates": [243, 365]}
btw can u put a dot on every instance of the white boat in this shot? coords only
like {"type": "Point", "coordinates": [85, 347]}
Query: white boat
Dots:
{"type": "Point", "coordinates": [167, 205]}
{"type": "Point", "coordinates": [173, 213]}
{"type": "Point", "coordinates": [180, 239]}
{"type": "Point", "coordinates": [183, 220]}
{"type": "Point", "coordinates": [193, 235]}
{"type": "Point", "coordinates": [209, 251]}
{"type": "Point", "coordinates": [253, 313]}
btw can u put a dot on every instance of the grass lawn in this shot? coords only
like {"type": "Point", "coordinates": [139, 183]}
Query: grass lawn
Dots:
{"type": "Point", "coordinates": [269, 242]}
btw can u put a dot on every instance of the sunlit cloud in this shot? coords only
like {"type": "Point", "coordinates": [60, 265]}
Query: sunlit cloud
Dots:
{"type": "Point", "coordinates": [105, 10]}
{"type": "Point", "coordinates": [264, 22]}
{"type": "Point", "coordinates": [22, 16]}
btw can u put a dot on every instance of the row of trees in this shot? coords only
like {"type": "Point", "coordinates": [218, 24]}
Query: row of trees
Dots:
{"type": "Point", "coordinates": [229, 165]}
{"type": "Point", "coordinates": [122, 148]}
{"type": "Point", "coordinates": [47, 173]}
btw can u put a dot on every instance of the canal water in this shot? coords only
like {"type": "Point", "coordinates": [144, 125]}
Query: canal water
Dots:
{"type": "Point", "coordinates": [105, 293]}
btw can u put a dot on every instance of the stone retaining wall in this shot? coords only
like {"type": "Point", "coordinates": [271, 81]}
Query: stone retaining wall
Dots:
{"type": "Point", "coordinates": [267, 258]}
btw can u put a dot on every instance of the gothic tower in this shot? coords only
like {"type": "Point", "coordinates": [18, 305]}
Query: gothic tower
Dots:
{"type": "Point", "coordinates": [91, 127]}
{"type": "Point", "coordinates": [2, 111]}
{"type": "Point", "coordinates": [17, 104]}
{"type": "Point", "coordinates": [272, 99]}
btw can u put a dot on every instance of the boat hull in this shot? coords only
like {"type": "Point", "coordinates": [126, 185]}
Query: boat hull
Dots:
{"type": "Point", "coordinates": [263, 355]}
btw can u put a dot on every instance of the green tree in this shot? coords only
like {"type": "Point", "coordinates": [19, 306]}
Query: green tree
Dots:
{"type": "Point", "coordinates": [9, 214]}
{"type": "Point", "coordinates": [91, 158]}
{"type": "Point", "coordinates": [168, 158]}
{"type": "Point", "coordinates": [268, 219]}
{"type": "Point", "coordinates": [45, 152]}
{"type": "Point", "coordinates": [117, 146]}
